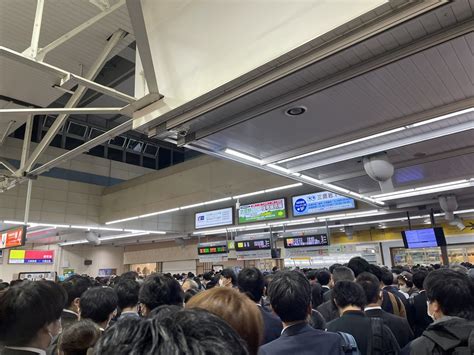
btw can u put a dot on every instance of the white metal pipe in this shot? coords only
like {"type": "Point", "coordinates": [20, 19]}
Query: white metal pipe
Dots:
{"type": "Point", "coordinates": [7, 131]}
{"type": "Point", "coordinates": [28, 201]}
{"type": "Point", "coordinates": [26, 141]}
{"type": "Point", "coordinates": [36, 28]}
{"type": "Point", "coordinates": [63, 111]}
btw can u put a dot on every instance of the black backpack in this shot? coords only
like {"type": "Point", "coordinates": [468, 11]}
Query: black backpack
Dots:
{"type": "Point", "coordinates": [377, 344]}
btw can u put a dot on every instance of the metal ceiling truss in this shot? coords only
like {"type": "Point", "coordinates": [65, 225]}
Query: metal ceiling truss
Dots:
{"type": "Point", "coordinates": [33, 57]}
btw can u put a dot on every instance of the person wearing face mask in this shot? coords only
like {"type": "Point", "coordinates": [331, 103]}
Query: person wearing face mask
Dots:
{"type": "Point", "coordinates": [450, 303]}
{"type": "Point", "coordinates": [228, 278]}
{"type": "Point", "coordinates": [30, 317]}
{"type": "Point", "coordinates": [405, 284]}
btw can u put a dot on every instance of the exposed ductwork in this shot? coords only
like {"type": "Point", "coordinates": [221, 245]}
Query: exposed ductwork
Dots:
{"type": "Point", "coordinates": [380, 169]}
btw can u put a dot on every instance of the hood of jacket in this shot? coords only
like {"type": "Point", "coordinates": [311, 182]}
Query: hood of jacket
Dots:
{"type": "Point", "coordinates": [449, 332]}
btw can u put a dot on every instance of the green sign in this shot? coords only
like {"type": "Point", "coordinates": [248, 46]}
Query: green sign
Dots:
{"type": "Point", "coordinates": [262, 211]}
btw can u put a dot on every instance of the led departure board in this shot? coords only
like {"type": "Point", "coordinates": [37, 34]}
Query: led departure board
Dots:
{"type": "Point", "coordinates": [255, 244]}
{"type": "Point", "coordinates": [209, 250]}
{"type": "Point", "coordinates": [306, 241]}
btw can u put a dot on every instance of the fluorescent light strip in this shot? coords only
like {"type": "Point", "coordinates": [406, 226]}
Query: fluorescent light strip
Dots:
{"type": "Point", "coordinates": [284, 170]}
{"type": "Point", "coordinates": [192, 206]}
{"type": "Point", "coordinates": [249, 194]}
{"type": "Point", "coordinates": [74, 242]}
{"type": "Point", "coordinates": [268, 190]}
{"type": "Point", "coordinates": [122, 220]}
{"type": "Point", "coordinates": [122, 236]}
{"type": "Point", "coordinates": [218, 200]}
{"type": "Point", "coordinates": [158, 213]}
{"type": "Point", "coordinates": [381, 134]}
{"type": "Point", "coordinates": [142, 231]}
{"type": "Point", "coordinates": [243, 156]}
{"type": "Point", "coordinates": [426, 190]}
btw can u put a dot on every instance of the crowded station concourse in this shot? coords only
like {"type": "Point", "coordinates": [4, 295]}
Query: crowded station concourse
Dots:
{"type": "Point", "coordinates": [236, 177]}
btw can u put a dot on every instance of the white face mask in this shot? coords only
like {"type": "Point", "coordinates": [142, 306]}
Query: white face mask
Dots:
{"type": "Point", "coordinates": [428, 310]}
{"type": "Point", "coordinates": [221, 282]}
{"type": "Point", "coordinates": [404, 288]}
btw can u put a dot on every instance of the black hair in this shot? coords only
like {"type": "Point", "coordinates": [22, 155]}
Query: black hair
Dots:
{"type": "Point", "coordinates": [358, 265]}
{"type": "Point", "coordinates": [251, 283]}
{"type": "Point", "coordinates": [79, 337]}
{"type": "Point", "coordinates": [98, 303]}
{"type": "Point", "coordinates": [160, 289]}
{"type": "Point", "coordinates": [387, 277]}
{"type": "Point", "coordinates": [189, 294]}
{"type": "Point", "coordinates": [164, 311]}
{"type": "Point", "coordinates": [26, 308]}
{"type": "Point", "coordinates": [131, 275]}
{"type": "Point", "coordinates": [333, 266]}
{"type": "Point", "coordinates": [75, 286]}
{"type": "Point", "coordinates": [316, 295]}
{"type": "Point", "coordinates": [127, 292]}
{"type": "Point", "coordinates": [290, 295]}
{"type": "Point", "coordinates": [418, 278]}
{"type": "Point", "coordinates": [371, 286]}
{"type": "Point", "coordinates": [208, 276]}
{"type": "Point", "coordinates": [376, 271]}
{"type": "Point", "coordinates": [342, 273]}
{"type": "Point", "coordinates": [190, 331]}
{"type": "Point", "coordinates": [347, 293]}
{"type": "Point", "coordinates": [311, 275]}
{"type": "Point", "coordinates": [323, 277]}
{"type": "Point", "coordinates": [228, 273]}
{"type": "Point", "coordinates": [452, 290]}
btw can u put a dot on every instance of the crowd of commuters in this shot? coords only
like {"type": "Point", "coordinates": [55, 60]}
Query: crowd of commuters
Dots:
{"type": "Point", "coordinates": [356, 308]}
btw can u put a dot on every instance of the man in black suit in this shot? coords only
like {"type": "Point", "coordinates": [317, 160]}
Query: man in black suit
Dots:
{"type": "Point", "coordinates": [328, 309]}
{"type": "Point", "coordinates": [371, 335]}
{"type": "Point", "coordinates": [30, 315]}
{"type": "Point", "coordinates": [398, 325]}
{"type": "Point", "coordinates": [75, 286]}
{"type": "Point", "coordinates": [290, 297]}
{"type": "Point", "coordinates": [418, 305]}
{"type": "Point", "coordinates": [251, 282]}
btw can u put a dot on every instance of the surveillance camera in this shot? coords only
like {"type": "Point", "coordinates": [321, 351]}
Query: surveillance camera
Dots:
{"type": "Point", "coordinates": [237, 205]}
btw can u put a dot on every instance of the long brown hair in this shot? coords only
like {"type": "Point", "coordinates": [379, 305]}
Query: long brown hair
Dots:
{"type": "Point", "coordinates": [236, 309]}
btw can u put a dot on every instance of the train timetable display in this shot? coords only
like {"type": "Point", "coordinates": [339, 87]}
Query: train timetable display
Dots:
{"type": "Point", "coordinates": [210, 250]}
{"type": "Point", "coordinates": [306, 241]}
{"type": "Point", "coordinates": [251, 245]}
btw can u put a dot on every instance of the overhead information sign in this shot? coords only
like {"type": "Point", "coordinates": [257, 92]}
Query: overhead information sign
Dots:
{"type": "Point", "coordinates": [320, 202]}
{"type": "Point", "coordinates": [306, 241]}
{"type": "Point", "coordinates": [222, 217]}
{"type": "Point", "coordinates": [213, 251]}
{"type": "Point", "coordinates": [262, 211]}
{"type": "Point", "coordinates": [248, 247]}
{"type": "Point", "coordinates": [14, 237]}
{"type": "Point", "coordinates": [31, 256]}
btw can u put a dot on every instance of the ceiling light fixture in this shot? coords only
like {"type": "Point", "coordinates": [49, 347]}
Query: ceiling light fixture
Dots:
{"type": "Point", "coordinates": [295, 111]}
{"type": "Point", "coordinates": [424, 190]}
{"type": "Point", "coordinates": [283, 170]}
{"type": "Point", "coordinates": [242, 156]}
{"type": "Point", "coordinates": [381, 134]}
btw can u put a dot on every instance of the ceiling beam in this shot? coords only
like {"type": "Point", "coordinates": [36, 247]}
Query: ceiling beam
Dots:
{"type": "Point", "coordinates": [63, 111]}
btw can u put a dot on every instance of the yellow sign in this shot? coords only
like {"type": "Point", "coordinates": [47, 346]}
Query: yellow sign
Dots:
{"type": "Point", "coordinates": [17, 254]}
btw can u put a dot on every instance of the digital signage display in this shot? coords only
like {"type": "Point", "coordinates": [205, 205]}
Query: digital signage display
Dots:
{"type": "Point", "coordinates": [12, 238]}
{"type": "Point", "coordinates": [320, 202]}
{"type": "Point", "coordinates": [315, 240]}
{"type": "Point", "coordinates": [253, 244]}
{"type": "Point", "coordinates": [31, 256]}
{"type": "Point", "coordinates": [262, 211]}
{"type": "Point", "coordinates": [424, 238]}
{"type": "Point", "coordinates": [222, 217]}
{"type": "Point", "coordinates": [210, 250]}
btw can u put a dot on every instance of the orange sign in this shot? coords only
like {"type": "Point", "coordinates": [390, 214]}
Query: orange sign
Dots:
{"type": "Point", "coordinates": [12, 238]}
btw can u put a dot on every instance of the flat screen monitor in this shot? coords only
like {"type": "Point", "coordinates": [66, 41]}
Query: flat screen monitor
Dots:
{"type": "Point", "coordinates": [424, 238]}
{"type": "Point", "coordinates": [251, 245]}
{"type": "Point", "coordinates": [31, 256]}
{"type": "Point", "coordinates": [315, 240]}
{"type": "Point", "coordinates": [12, 238]}
{"type": "Point", "coordinates": [212, 250]}
{"type": "Point", "coordinates": [222, 217]}
{"type": "Point", "coordinates": [262, 211]}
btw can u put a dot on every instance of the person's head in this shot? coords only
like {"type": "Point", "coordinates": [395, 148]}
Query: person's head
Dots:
{"type": "Point", "coordinates": [267, 279]}
{"type": "Point", "coordinates": [274, 269]}
{"type": "Point", "coordinates": [333, 266]}
{"type": "Point", "coordinates": [127, 293]}
{"type": "Point", "coordinates": [311, 275]}
{"type": "Point", "coordinates": [75, 286]}
{"type": "Point", "coordinates": [459, 268]}
{"type": "Point", "coordinates": [228, 278]}
{"type": "Point", "coordinates": [358, 265]}
{"type": "Point", "coordinates": [207, 277]}
{"type": "Point", "coordinates": [290, 296]}
{"type": "Point", "coordinates": [376, 271]}
{"type": "Point", "coordinates": [371, 286]}
{"type": "Point", "coordinates": [187, 331]}
{"type": "Point", "coordinates": [404, 281]}
{"type": "Point", "coordinates": [190, 294]}
{"type": "Point", "coordinates": [316, 295]}
{"type": "Point", "coordinates": [251, 282]}
{"type": "Point", "coordinates": [342, 273]}
{"type": "Point", "coordinates": [449, 293]}
{"type": "Point", "coordinates": [98, 304]}
{"type": "Point", "coordinates": [418, 278]}
{"type": "Point", "coordinates": [323, 276]}
{"type": "Point", "coordinates": [130, 275]}
{"type": "Point", "coordinates": [348, 294]}
{"type": "Point", "coordinates": [30, 314]}
{"type": "Point", "coordinates": [159, 290]}
{"type": "Point", "coordinates": [190, 284]}
{"type": "Point", "coordinates": [78, 338]}
{"type": "Point", "coordinates": [236, 309]}
{"type": "Point", "coordinates": [387, 277]}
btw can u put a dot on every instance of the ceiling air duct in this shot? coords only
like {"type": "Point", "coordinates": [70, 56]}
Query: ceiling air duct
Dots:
{"type": "Point", "coordinates": [380, 169]}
